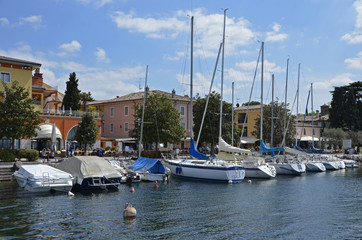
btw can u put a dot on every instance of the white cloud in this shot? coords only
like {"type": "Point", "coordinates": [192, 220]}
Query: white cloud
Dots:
{"type": "Point", "coordinates": [113, 83]}
{"type": "Point", "coordinates": [354, 63]}
{"type": "Point", "coordinates": [35, 21]}
{"type": "Point", "coordinates": [328, 84]}
{"type": "Point", "coordinates": [76, 67]}
{"type": "Point", "coordinates": [101, 55]}
{"type": "Point", "coordinates": [4, 21]}
{"type": "Point", "coordinates": [276, 36]}
{"type": "Point", "coordinates": [356, 35]}
{"type": "Point", "coordinates": [207, 29]}
{"type": "Point", "coordinates": [96, 3]}
{"type": "Point", "coordinates": [153, 28]}
{"type": "Point", "coordinates": [70, 48]}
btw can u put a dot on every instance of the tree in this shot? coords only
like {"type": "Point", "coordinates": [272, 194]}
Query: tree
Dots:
{"type": "Point", "coordinates": [334, 136]}
{"type": "Point", "coordinates": [346, 107]}
{"type": "Point", "coordinates": [279, 115]}
{"type": "Point", "coordinates": [87, 130]}
{"type": "Point", "coordinates": [72, 94]}
{"type": "Point", "coordinates": [162, 122]}
{"type": "Point", "coordinates": [211, 126]}
{"type": "Point", "coordinates": [17, 116]}
{"type": "Point", "coordinates": [85, 97]}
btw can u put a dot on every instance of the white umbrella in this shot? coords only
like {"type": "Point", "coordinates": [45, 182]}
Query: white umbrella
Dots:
{"type": "Point", "coordinates": [70, 110]}
{"type": "Point", "coordinates": [63, 109]}
{"type": "Point", "coordinates": [54, 138]}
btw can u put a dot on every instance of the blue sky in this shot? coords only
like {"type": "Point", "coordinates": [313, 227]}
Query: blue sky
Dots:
{"type": "Point", "coordinates": [109, 43]}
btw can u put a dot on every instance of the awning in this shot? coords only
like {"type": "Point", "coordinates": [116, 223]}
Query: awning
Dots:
{"type": "Point", "coordinates": [126, 140]}
{"type": "Point", "coordinates": [46, 131]}
{"type": "Point", "coordinates": [309, 138]}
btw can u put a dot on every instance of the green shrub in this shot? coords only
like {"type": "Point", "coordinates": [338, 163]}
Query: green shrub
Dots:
{"type": "Point", "coordinates": [114, 149]}
{"type": "Point", "coordinates": [7, 155]}
{"type": "Point", "coordinates": [31, 154]}
{"type": "Point", "coordinates": [152, 154]}
{"type": "Point", "coordinates": [107, 148]}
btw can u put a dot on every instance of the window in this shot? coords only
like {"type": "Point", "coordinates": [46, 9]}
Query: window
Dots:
{"type": "Point", "coordinates": [126, 111]}
{"type": "Point", "coordinates": [182, 110]}
{"type": "Point", "coordinates": [126, 127]}
{"type": "Point", "coordinates": [5, 77]}
{"type": "Point", "coordinates": [111, 127]}
{"type": "Point", "coordinates": [112, 112]}
{"type": "Point", "coordinates": [183, 124]}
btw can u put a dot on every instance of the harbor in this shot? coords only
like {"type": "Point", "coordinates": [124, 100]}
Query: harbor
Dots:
{"type": "Point", "coordinates": [325, 205]}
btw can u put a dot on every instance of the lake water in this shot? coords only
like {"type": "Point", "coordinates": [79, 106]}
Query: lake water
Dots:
{"type": "Point", "coordinates": [313, 206]}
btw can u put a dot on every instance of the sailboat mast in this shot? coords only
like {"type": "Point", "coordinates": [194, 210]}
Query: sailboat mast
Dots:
{"type": "Point", "coordinates": [222, 73]}
{"type": "Point", "coordinates": [285, 102]}
{"type": "Point", "coordinates": [191, 76]}
{"type": "Point", "coordinates": [272, 115]}
{"type": "Point", "coordinates": [232, 116]}
{"type": "Point", "coordinates": [143, 115]}
{"type": "Point", "coordinates": [261, 92]}
{"type": "Point", "coordinates": [311, 98]}
{"type": "Point", "coordinates": [296, 122]}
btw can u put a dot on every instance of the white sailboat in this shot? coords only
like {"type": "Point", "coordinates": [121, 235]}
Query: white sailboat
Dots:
{"type": "Point", "coordinates": [255, 167]}
{"type": "Point", "coordinates": [202, 167]}
{"type": "Point", "coordinates": [284, 164]}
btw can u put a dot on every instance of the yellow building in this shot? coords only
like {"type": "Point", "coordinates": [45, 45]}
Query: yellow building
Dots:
{"type": "Point", "coordinates": [12, 69]}
{"type": "Point", "coordinates": [253, 114]}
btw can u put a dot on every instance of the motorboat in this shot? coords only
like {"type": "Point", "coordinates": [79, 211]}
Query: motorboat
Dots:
{"type": "Point", "coordinates": [91, 172]}
{"type": "Point", "coordinates": [127, 176]}
{"type": "Point", "coordinates": [43, 178]}
{"type": "Point", "coordinates": [150, 169]}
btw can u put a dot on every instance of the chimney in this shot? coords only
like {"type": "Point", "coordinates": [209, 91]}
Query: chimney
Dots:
{"type": "Point", "coordinates": [317, 114]}
{"type": "Point", "coordinates": [173, 93]}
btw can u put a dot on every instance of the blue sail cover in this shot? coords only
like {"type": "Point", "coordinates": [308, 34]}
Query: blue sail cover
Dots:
{"type": "Point", "coordinates": [195, 153]}
{"type": "Point", "coordinates": [148, 164]}
{"type": "Point", "coordinates": [265, 149]}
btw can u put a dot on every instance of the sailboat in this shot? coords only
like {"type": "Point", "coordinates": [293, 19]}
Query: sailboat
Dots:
{"type": "Point", "coordinates": [201, 167]}
{"type": "Point", "coordinates": [284, 164]}
{"type": "Point", "coordinates": [255, 167]}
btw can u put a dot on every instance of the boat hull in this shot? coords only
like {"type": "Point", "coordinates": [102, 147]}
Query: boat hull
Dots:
{"type": "Point", "coordinates": [315, 167]}
{"type": "Point", "coordinates": [289, 168]}
{"type": "Point", "coordinates": [203, 171]}
{"type": "Point", "coordinates": [96, 183]}
{"type": "Point", "coordinates": [333, 165]}
{"type": "Point", "coordinates": [260, 172]}
{"type": "Point", "coordinates": [36, 185]}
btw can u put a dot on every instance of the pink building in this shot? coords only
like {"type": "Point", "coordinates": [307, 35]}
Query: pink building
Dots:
{"type": "Point", "coordinates": [118, 117]}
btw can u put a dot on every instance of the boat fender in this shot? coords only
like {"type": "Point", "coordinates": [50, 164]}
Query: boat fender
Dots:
{"type": "Point", "coordinates": [155, 185]}
{"type": "Point", "coordinates": [70, 194]}
{"type": "Point", "coordinates": [132, 189]}
{"type": "Point", "coordinates": [249, 181]}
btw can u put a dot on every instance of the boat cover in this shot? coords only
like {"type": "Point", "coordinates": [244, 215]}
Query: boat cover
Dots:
{"type": "Point", "coordinates": [265, 149]}
{"type": "Point", "coordinates": [39, 170]}
{"type": "Point", "coordinates": [148, 164]}
{"type": "Point", "coordinates": [225, 147]}
{"type": "Point", "coordinates": [196, 154]}
{"type": "Point", "coordinates": [89, 166]}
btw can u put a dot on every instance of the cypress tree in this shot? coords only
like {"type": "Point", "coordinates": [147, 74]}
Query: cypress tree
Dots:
{"type": "Point", "coordinates": [72, 93]}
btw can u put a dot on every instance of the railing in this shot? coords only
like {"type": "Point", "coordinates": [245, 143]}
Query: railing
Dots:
{"type": "Point", "coordinates": [55, 112]}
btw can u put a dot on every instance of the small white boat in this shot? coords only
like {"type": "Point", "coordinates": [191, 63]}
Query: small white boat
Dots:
{"type": "Point", "coordinates": [150, 169]}
{"type": "Point", "coordinates": [350, 163]}
{"type": "Point", "coordinates": [288, 167]}
{"type": "Point", "coordinates": [315, 166]}
{"type": "Point", "coordinates": [43, 178]}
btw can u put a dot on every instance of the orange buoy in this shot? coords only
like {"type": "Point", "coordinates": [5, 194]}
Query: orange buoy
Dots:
{"type": "Point", "coordinates": [132, 189]}
{"type": "Point", "coordinates": [155, 185]}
